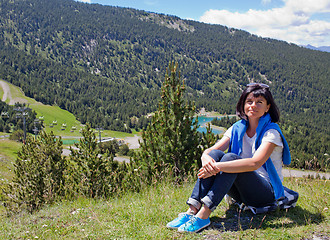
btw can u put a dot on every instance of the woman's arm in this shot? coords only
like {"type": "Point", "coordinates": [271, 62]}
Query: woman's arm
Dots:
{"type": "Point", "coordinates": [222, 145]}
{"type": "Point", "coordinates": [240, 165]}
{"type": "Point", "coordinates": [208, 163]}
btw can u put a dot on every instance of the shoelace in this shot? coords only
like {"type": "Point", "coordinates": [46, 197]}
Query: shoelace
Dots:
{"type": "Point", "coordinates": [192, 221]}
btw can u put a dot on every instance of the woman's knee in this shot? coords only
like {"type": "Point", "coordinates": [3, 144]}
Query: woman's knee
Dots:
{"type": "Point", "coordinates": [229, 157]}
{"type": "Point", "coordinates": [216, 155]}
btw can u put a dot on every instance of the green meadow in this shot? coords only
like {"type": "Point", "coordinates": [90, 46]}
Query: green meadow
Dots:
{"type": "Point", "coordinates": [144, 215]}
{"type": "Point", "coordinates": [8, 153]}
{"type": "Point", "coordinates": [61, 122]}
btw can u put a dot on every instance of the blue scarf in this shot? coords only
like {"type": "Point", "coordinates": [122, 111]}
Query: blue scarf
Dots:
{"type": "Point", "coordinates": [235, 146]}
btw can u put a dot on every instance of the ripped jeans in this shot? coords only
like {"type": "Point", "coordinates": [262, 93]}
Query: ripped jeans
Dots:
{"type": "Point", "coordinates": [247, 187]}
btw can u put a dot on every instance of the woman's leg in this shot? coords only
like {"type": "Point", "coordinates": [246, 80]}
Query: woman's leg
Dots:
{"type": "Point", "coordinates": [247, 187]}
{"type": "Point", "coordinates": [252, 189]}
{"type": "Point", "coordinates": [200, 190]}
{"type": "Point", "coordinates": [203, 186]}
{"type": "Point", "coordinates": [222, 183]}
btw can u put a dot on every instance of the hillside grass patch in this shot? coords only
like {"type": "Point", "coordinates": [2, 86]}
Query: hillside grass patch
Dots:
{"type": "Point", "coordinates": [8, 154]}
{"type": "Point", "coordinates": [144, 216]}
{"type": "Point", "coordinates": [60, 121]}
{"type": "Point", "coordinates": [17, 93]}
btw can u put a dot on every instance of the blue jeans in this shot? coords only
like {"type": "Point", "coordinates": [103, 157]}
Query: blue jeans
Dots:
{"type": "Point", "coordinates": [247, 187]}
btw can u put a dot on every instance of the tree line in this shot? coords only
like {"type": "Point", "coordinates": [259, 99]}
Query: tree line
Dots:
{"type": "Point", "coordinates": [43, 175]}
{"type": "Point", "coordinates": [105, 64]}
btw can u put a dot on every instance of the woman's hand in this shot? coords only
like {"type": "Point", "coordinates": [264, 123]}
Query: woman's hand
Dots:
{"type": "Point", "coordinates": [209, 165]}
{"type": "Point", "coordinates": [206, 159]}
{"type": "Point", "coordinates": [209, 169]}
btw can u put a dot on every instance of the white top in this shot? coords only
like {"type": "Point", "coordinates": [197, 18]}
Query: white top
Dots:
{"type": "Point", "coordinates": [248, 149]}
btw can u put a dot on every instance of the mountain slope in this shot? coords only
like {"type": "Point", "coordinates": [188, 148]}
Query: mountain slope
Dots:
{"type": "Point", "coordinates": [106, 64]}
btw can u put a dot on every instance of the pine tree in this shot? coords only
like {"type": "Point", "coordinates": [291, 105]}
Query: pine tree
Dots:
{"type": "Point", "coordinates": [89, 173]}
{"type": "Point", "coordinates": [171, 139]}
{"type": "Point", "coordinates": [39, 172]}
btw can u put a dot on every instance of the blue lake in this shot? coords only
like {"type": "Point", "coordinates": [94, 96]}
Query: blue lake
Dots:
{"type": "Point", "coordinates": [203, 120]}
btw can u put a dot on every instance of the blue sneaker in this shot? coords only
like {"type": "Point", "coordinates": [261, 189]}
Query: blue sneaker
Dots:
{"type": "Point", "coordinates": [195, 224]}
{"type": "Point", "coordinates": [181, 219]}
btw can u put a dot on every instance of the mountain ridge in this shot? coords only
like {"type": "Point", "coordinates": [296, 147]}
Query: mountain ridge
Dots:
{"type": "Point", "coordinates": [321, 48]}
{"type": "Point", "coordinates": [70, 45]}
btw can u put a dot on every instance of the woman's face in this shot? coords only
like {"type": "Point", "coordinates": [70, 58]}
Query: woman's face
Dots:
{"type": "Point", "coordinates": [255, 107]}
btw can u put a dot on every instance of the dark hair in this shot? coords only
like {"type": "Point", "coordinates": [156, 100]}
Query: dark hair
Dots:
{"type": "Point", "coordinates": [258, 90]}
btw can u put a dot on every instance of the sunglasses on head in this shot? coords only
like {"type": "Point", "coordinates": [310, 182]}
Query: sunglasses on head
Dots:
{"type": "Point", "coordinates": [258, 84]}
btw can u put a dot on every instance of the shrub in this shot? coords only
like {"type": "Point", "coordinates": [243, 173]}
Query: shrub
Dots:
{"type": "Point", "coordinates": [171, 139]}
{"type": "Point", "coordinates": [18, 135]}
{"type": "Point", "coordinates": [39, 173]}
{"type": "Point", "coordinates": [124, 150]}
{"type": "Point", "coordinates": [171, 146]}
{"type": "Point", "coordinates": [90, 173]}
{"type": "Point", "coordinates": [111, 146]}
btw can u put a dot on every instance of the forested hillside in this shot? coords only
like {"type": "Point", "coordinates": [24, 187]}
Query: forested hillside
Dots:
{"type": "Point", "coordinates": [106, 64]}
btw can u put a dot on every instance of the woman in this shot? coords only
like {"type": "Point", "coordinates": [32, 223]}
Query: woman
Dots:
{"type": "Point", "coordinates": [251, 171]}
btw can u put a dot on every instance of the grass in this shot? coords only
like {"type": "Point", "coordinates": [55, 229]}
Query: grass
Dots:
{"type": "Point", "coordinates": [61, 122]}
{"type": "Point", "coordinates": [144, 216]}
{"type": "Point", "coordinates": [8, 153]}
{"type": "Point", "coordinates": [49, 113]}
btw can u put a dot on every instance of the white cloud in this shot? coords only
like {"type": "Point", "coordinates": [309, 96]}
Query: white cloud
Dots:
{"type": "Point", "coordinates": [308, 6]}
{"type": "Point", "coordinates": [265, 2]}
{"type": "Point", "coordinates": [293, 22]}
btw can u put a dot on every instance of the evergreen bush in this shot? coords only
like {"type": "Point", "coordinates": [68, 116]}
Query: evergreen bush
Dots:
{"type": "Point", "coordinates": [111, 146]}
{"type": "Point", "coordinates": [88, 171]}
{"type": "Point", "coordinates": [171, 139]}
{"type": "Point", "coordinates": [92, 174]}
{"type": "Point", "coordinates": [39, 174]}
{"type": "Point", "coordinates": [170, 147]}
{"type": "Point", "coordinates": [18, 135]}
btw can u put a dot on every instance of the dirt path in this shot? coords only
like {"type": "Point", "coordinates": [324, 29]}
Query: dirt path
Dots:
{"type": "Point", "coordinates": [133, 143]}
{"type": "Point", "coordinates": [8, 95]}
{"type": "Point", "coordinates": [6, 91]}
{"type": "Point", "coordinates": [301, 173]}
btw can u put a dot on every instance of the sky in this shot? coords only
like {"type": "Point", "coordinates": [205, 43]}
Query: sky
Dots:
{"type": "Point", "coordinates": [301, 22]}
